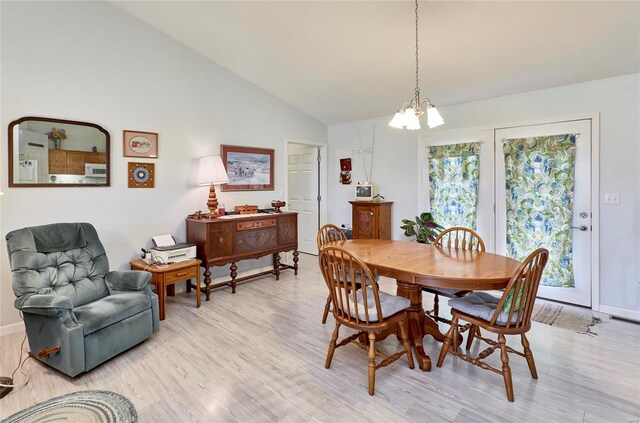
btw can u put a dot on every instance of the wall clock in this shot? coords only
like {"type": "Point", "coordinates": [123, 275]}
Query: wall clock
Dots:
{"type": "Point", "coordinates": [141, 175]}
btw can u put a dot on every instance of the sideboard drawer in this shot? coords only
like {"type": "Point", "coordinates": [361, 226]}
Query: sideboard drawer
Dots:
{"type": "Point", "coordinates": [256, 224]}
{"type": "Point", "coordinates": [180, 274]}
{"type": "Point", "coordinates": [255, 241]}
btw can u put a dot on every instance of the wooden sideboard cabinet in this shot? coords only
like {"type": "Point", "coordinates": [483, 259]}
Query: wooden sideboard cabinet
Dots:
{"type": "Point", "coordinates": [371, 219]}
{"type": "Point", "coordinates": [229, 239]}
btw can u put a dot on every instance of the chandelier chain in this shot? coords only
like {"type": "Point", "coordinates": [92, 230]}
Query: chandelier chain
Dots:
{"type": "Point", "coordinates": [417, 84]}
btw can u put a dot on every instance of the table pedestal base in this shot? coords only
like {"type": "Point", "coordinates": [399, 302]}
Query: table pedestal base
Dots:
{"type": "Point", "coordinates": [420, 324]}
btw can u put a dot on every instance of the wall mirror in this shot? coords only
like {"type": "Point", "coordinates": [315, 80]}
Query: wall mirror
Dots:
{"type": "Point", "coordinates": [46, 152]}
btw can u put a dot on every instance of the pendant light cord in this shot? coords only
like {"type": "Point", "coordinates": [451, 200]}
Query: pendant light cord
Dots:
{"type": "Point", "coordinates": [417, 84]}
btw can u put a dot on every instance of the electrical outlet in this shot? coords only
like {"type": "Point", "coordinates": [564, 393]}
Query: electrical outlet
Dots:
{"type": "Point", "coordinates": [612, 198]}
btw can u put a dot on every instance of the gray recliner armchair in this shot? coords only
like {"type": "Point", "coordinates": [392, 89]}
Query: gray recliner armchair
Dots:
{"type": "Point", "coordinates": [77, 313]}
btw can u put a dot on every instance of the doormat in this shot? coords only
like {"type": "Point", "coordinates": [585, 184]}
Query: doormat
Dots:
{"type": "Point", "coordinates": [82, 406]}
{"type": "Point", "coordinates": [561, 317]}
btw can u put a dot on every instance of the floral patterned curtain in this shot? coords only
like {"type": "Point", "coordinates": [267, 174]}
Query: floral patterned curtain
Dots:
{"type": "Point", "coordinates": [539, 175]}
{"type": "Point", "coordinates": [453, 184]}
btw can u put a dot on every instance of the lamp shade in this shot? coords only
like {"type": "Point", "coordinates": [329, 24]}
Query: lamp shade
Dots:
{"type": "Point", "coordinates": [398, 120]}
{"type": "Point", "coordinates": [211, 171]}
{"type": "Point", "coordinates": [433, 117]}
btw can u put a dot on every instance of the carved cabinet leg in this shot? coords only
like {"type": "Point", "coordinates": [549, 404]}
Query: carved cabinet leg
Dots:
{"type": "Point", "coordinates": [276, 265]}
{"type": "Point", "coordinates": [234, 273]}
{"type": "Point", "coordinates": [295, 262]}
{"type": "Point", "coordinates": [207, 282]}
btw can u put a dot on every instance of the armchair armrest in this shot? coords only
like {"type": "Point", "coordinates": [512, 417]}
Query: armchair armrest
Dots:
{"type": "Point", "coordinates": [45, 304]}
{"type": "Point", "coordinates": [128, 280]}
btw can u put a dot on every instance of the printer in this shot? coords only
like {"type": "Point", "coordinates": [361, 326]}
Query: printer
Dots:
{"type": "Point", "coordinates": [167, 250]}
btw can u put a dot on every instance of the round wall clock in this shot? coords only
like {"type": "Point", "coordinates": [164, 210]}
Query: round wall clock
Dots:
{"type": "Point", "coordinates": [141, 175]}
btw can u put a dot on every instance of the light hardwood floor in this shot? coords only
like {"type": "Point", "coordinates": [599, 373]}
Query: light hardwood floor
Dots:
{"type": "Point", "coordinates": [258, 356]}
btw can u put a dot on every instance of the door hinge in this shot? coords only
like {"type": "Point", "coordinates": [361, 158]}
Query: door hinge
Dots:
{"type": "Point", "coordinates": [318, 157]}
{"type": "Point", "coordinates": [319, 198]}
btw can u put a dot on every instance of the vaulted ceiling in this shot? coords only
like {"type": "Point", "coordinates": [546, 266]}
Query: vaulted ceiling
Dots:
{"type": "Point", "coordinates": [341, 61]}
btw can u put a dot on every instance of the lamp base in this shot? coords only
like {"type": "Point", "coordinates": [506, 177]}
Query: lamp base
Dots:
{"type": "Point", "coordinates": [212, 203]}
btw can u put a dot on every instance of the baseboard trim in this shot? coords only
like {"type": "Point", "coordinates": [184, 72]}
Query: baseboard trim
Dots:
{"type": "Point", "coordinates": [12, 328]}
{"type": "Point", "coordinates": [620, 312]}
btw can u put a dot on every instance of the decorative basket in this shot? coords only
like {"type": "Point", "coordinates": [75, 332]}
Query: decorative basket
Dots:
{"type": "Point", "coordinates": [246, 209]}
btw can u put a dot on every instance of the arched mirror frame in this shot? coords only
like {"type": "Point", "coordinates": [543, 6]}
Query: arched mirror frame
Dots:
{"type": "Point", "coordinates": [63, 121]}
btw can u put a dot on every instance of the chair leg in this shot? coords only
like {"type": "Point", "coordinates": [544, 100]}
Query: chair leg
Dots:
{"type": "Point", "coordinates": [332, 346]}
{"type": "Point", "coordinates": [506, 370]}
{"type": "Point", "coordinates": [447, 341]}
{"type": "Point", "coordinates": [456, 335]}
{"type": "Point", "coordinates": [405, 342]}
{"type": "Point", "coordinates": [372, 362]}
{"type": "Point", "coordinates": [529, 356]}
{"type": "Point", "coordinates": [326, 310]}
{"type": "Point", "coordinates": [471, 336]}
{"type": "Point", "coordinates": [436, 305]}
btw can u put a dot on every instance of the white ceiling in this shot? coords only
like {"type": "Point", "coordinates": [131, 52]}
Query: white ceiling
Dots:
{"type": "Point", "coordinates": [343, 61]}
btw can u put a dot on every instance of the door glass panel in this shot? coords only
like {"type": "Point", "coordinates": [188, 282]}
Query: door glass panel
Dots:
{"type": "Point", "coordinates": [453, 184]}
{"type": "Point", "coordinates": [539, 183]}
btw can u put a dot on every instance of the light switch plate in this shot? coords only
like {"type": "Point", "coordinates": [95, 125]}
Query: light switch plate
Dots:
{"type": "Point", "coordinates": [612, 198]}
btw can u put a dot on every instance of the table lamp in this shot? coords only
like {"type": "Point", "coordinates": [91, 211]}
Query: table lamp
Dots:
{"type": "Point", "coordinates": [211, 171]}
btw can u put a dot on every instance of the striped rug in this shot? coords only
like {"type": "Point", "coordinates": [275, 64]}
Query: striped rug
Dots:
{"type": "Point", "coordinates": [562, 317]}
{"type": "Point", "coordinates": [82, 406]}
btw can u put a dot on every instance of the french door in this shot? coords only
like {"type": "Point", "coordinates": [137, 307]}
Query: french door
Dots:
{"type": "Point", "coordinates": [577, 208]}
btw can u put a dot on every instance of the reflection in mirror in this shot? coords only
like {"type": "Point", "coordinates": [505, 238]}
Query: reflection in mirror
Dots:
{"type": "Point", "coordinates": [55, 152]}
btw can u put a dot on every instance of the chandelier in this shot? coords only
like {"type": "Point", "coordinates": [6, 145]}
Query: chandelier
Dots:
{"type": "Point", "coordinates": [409, 113]}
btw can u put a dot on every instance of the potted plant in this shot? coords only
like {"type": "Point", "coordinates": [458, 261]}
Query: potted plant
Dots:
{"type": "Point", "coordinates": [423, 228]}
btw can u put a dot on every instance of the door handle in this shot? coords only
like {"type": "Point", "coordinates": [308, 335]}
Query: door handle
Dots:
{"type": "Point", "coordinates": [583, 228]}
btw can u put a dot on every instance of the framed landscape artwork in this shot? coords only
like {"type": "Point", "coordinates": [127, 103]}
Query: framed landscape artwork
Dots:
{"type": "Point", "coordinates": [248, 168]}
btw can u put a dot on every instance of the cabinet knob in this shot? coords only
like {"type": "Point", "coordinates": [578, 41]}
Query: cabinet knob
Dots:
{"type": "Point", "coordinates": [221, 240]}
{"type": "Point", "coordinates": [371, 213]}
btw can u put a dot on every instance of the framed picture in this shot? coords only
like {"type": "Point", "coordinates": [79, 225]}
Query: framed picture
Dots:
{"type": "Point", "coordinates": [248, 168]}
{"type": "Point", "coordinates": [141, 175]}
{"type": "Point", "coordinates": [140, 144]}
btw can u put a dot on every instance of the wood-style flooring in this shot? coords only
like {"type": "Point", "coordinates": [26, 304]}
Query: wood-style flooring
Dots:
{"type": "Point", "coordinates": [258, 356]}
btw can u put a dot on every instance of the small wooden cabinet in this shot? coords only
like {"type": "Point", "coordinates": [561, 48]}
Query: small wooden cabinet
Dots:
{"type": "Point", "coordinates": [57, 161]}
{"type": "Point", "coordinates": [71, 162]}
{"type": "Point", "coordinates": [229, 239]}
{"type": "Point", "coordinates": [371, 219]}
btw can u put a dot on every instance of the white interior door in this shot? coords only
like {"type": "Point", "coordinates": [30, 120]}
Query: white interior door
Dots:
{"type": "Point", "coordinates": [581, 222]}
{"type": "Point", "coordinates": [303, 191]}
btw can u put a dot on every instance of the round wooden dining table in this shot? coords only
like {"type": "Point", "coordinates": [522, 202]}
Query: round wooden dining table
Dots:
{"type": "Point", "coordinates": [414, 265]}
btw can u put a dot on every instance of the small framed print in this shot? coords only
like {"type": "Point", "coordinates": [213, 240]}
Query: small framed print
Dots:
{"type": "Point", "coordinates": [140, 144]}
{"type": "Point", "coordinates": [141, 175]}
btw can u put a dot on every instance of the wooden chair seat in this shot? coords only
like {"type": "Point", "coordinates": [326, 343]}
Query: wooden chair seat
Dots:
{"type": "Point", "coordinates": [483, 306]}
{"type": "Point", "coordinates": [390, 305]}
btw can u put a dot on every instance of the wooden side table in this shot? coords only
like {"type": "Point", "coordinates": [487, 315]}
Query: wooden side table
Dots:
{"type": "Point", "coordinates": [165, 277]}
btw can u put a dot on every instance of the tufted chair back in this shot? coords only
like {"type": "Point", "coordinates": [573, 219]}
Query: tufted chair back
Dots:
{"type": "Point", "coordinates": [62, 258]}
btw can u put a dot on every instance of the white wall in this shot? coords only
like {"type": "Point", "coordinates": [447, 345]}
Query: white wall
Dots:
{"type": "Point", "coordinates": [90, 61]}
{"type": "Point", "coordinates": [617, 100]}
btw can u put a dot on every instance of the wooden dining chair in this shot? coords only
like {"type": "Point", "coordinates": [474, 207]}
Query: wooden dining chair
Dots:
{"type": "Point", "coordinates": [509, 315]}
{"type": "Point", "coordinates": [366, 309]}
{"type": "Point", "coordinates": [328, 233]}
{"type": "Point", "coordinates": [458, 238]}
